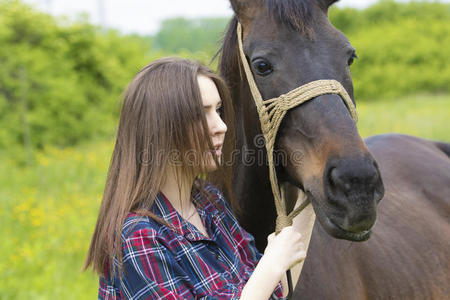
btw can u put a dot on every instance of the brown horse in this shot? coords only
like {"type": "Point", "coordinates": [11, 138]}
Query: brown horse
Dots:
{"type": "Point", "coordinates": [289, 43]}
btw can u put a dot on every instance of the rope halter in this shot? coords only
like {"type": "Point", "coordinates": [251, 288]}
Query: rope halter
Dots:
{"type": "Point", "coordinates": [271, 113]}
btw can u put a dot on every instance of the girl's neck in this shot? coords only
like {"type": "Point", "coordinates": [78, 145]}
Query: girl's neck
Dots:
{"type": "Point", "coordinates": [178, 191]}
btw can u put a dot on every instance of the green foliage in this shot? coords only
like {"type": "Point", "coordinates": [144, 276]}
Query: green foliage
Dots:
{"type": "Point", "coordinates": [48, 213]}
{"type": "Point", "coordinates": [402, 47]}
{"type": "Point", "coordinates": [59, 84]}
{"type": "Point", "coordinates": [425, 116]}
{"type": "Point", "coordinates": [194, 35]}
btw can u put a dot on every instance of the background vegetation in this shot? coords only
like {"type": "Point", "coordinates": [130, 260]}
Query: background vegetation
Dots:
{"type": "Point", "coordinates": [60, 91]}
{"type": "Point", "coordinates": [401, 48]}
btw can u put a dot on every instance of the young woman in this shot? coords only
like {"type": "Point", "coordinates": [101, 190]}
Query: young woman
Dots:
{"type": "Point", "coordinates": [163, 232]}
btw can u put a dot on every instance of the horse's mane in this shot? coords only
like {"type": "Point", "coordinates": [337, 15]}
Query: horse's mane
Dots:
{"type": "Point", "coordinates": [229, 56]}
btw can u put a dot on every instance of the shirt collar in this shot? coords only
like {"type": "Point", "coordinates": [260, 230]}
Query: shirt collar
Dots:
{"type": "Point", "coordinates": [165, 209]}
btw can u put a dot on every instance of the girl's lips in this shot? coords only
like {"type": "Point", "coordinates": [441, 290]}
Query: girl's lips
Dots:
{"type": "Point", "coordinates": [218, 149]}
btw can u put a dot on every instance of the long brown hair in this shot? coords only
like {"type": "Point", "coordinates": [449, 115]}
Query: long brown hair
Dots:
{"type": "Point", "coordinates": [162, 118]}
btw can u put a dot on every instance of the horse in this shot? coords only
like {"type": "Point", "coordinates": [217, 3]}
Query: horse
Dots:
{"type": "Point", "coordinates": [382, 204]}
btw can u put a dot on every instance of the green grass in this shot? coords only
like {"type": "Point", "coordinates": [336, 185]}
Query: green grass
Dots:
{"type": "Point", "coordinates": [48, 211]}
{"type": "Point", "coordinates": [424, 116]}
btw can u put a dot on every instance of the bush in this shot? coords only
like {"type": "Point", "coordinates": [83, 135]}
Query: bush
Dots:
{"type": "Point", "coordinates": [59, 84]}
{"type": "Point", "coordinates": [193, 35]}
{"type": "Point", "coordinates": [402, 48]}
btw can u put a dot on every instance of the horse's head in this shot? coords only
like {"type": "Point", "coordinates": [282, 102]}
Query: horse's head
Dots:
{"type": "Point", "coordinates": [290, 43]}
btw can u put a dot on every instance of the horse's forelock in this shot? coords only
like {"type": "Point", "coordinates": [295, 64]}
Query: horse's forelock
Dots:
{"type": "Point", "coordinates": [294, 13]}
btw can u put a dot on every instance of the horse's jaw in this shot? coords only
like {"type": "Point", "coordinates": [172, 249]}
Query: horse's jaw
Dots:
{"type": "Point", "coordinates": [324, 214]}
{"type": "Point", "coordinates": [331, 226]}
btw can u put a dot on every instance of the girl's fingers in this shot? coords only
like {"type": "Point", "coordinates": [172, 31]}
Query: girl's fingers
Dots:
{"type": "Point", "coordinates": [270, 236]}
{"type": "Point", "coordinates": [299, 258]}
{"type": "Point", "coordinates": [286, 248]}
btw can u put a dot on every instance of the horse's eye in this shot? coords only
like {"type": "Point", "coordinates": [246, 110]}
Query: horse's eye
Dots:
{"type": "Point", "coordinates": [352, 58]}
{"type": "Point", "coordinates": [262, 67]}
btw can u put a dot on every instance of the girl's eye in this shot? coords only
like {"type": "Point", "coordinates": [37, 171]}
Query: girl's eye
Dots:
{"type": "Point", "coordinates": [219, 110]}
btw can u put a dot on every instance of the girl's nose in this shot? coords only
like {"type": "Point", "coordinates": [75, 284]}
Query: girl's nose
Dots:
{"type": "Point", "coordinates": [218, 126]}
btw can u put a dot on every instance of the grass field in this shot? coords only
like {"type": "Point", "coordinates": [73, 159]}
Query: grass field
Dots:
{"type": "Point", "coordinates": [48, 211]}
{"type": "Point", "coordinates": [424, 116]}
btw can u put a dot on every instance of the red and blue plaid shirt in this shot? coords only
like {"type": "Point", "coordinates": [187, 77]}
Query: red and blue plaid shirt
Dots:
{"type": "Point", "coordinates": [160, 262]}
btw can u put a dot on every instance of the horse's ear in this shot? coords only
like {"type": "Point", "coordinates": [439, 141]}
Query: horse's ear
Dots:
{"type": "Point", "coordinates": [325, 4]}
{"type": "Point", "coordinates": [244, 9]}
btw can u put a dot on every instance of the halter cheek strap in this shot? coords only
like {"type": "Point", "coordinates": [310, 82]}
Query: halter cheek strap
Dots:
{"type": "Point", "coordinates": [271, 112]}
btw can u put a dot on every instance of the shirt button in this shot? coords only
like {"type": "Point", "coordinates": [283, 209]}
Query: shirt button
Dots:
{"type": "Point", "coordinates": [190, 236]}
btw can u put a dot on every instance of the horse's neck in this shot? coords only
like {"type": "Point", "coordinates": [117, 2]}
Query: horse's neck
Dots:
{"type": "Point", "coordinates": [251, 183]}
{"type": "Point", "coordinates": [247, 122]}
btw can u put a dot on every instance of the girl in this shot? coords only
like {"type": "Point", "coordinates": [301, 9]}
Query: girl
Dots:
{"type": "Point", "coordinates": [163, 232]}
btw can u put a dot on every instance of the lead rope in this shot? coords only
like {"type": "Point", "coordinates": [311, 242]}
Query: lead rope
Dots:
{"type": "Point", "coordinates": [271, 112]}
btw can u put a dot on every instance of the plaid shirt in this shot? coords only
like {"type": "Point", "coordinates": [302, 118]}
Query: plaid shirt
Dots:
{"type": "Point", "coordinates": [180, 262]}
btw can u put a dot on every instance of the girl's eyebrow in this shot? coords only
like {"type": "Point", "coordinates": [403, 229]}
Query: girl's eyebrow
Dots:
{"type": "Point", "coordinates": [209, 106]}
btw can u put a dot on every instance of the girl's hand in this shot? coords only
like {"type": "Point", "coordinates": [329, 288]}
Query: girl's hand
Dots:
{"type": "Point", "coordinates": [285, 249]}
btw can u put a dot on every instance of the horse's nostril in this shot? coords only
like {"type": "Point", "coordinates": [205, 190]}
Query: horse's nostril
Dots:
{"type": "Point", "coordinates": [334, 190]}
{"type": "Point", "coordinates": [331, 176]}
{"type": "Point", "coordinates": [338, 182]}
{"type": "Point", "coordinates": [350, 182]}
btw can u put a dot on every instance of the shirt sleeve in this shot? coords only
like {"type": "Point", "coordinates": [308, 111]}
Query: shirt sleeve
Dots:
{"type": "Point", "coordinates": [151, 270]}
{"type": "Point", "coordinates": [249, 254]}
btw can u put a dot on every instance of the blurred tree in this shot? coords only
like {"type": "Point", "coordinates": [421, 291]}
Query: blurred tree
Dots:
{"type": "Point", "coordinates": [402, 47]}
{"type": "Point", "coordinates": [61, 81]}
{"type": "Point", "coordinates": [194, 35]}
{"type": "Point", "coordinates": [59, 85]}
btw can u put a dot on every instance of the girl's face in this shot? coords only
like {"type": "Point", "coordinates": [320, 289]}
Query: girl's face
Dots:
{"type": "Point", "coordinates": [212, 105]}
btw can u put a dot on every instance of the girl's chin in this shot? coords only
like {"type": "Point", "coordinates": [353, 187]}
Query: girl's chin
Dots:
{"type": "Point", "coordinates": [217, 153]}
{"type": "Point", "coordinates": [212, 165]}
